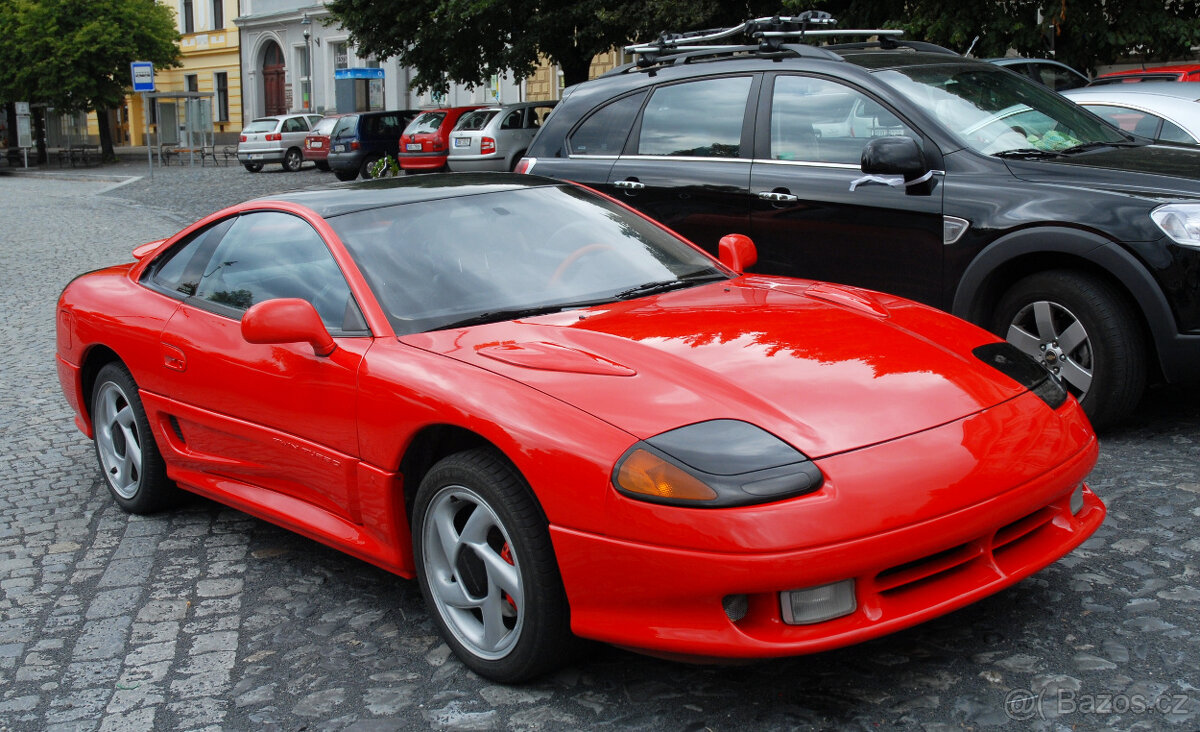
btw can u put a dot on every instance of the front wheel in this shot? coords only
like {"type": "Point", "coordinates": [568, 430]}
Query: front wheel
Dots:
{"type": "Point", "coordinates": [487, 569]}
{"type": "Point", "coordinates": [253, 167]}
{"type": "Point", "coordinates": [293, 159]}
{"type": "Point", "coordinates": [125, 447]}
{"type": "Point", "coordinates": [1082, 329]}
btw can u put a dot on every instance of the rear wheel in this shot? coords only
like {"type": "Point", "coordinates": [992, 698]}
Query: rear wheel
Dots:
{"type": "Point", "coordinates": [293, 159]}
{"type": "Point", "coordinates": [253, 167]}
{"type": "Point", "coordinates": [365, 169]}
{"type": "Point", "coordinates": [125, 447]}
{"type": "Point", "coordinates": [321, 165]}
{"type": "Point", "coordinates": [487, 568]}
{"type": "Point", "coordinates": [1082, 329]}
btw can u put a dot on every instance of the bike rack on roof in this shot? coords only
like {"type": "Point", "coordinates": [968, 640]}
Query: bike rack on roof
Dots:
{"type": "Point", "coordinates": [771, 34]}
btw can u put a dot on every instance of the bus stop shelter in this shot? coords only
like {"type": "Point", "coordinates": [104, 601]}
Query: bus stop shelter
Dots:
{"type": "Point", "coordinates": [183, 126]}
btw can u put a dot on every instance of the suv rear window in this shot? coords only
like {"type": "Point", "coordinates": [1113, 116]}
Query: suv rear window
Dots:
{"type": "Point", "coordinates": [426, 123]}
{"type": "Point", "coordinates": [696, 119]}
{"type": "Point", "coordinates": [477, 120]}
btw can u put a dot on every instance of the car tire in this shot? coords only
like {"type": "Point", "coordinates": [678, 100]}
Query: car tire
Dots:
{"type": "Point", "coordinates": [293, 159]}
{"type": "Point", "coordinates": [321, 165]}
{"type": "Point", "coordinates": [364, 169]}
{"type": "Point", "coordinates": [253, 167]}
{"type": "Point", "coordinates": [128, 457]}
{"type": "Point", "coordinates": [1083, 329]}
{"type": "Point", "coordinates": [499, 600]}
{"type": "Point", "coordinates": [346, 175]}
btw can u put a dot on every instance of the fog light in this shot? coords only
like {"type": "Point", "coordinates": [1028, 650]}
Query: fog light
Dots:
{"type": "Point", "coordinates": [1077, 499]}
{"type": "Point", "coordinates": [818, 604]}
{"type": "Point", "coordinates": [735, 606]}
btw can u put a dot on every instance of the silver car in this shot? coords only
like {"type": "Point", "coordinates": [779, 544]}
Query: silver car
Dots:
{"type": "Point", "coordinates": [277, 139]}
{"type": "Point", "coordinates": [495, 138]}
{"type": "Point", "coordinates": [1164, 111]}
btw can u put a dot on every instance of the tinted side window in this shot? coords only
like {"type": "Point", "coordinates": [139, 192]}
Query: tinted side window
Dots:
{"type": "Point", "coordinates": [1172, 132]}
{"type": "Point", "coordinates": [699, 118]}
{"type": "Point", "coordinates": [271, 255]}
{"type": "Point", "coordinates": [816, 120]}
{"type": "Point", "coordinates": [605, 131]}
{"type": "Point", "coordinates": [179, 270]}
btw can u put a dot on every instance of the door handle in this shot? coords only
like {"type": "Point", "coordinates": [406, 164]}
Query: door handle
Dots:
{"type": "Point", "coordinates": [173, 357]}
{"type": "Point", "coordinates": [630, 185]}
{"type": "Point", "coordinates": [778, 197]}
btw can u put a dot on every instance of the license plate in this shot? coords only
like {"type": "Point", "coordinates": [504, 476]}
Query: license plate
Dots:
{"type": "Point", "coordinates": [413, 147]}
{"type": "Point", "coordinates": [340, 148]}
{"type": "Point", "coordinates": [254, 156]}
{"type": "Point", "coordinates": [316, 143]}
{"type": "Point", "coordinates": [462, 142]}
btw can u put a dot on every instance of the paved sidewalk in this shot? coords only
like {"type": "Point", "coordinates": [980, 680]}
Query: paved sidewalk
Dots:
{"type": "Point", "coordinates": [206, 619]}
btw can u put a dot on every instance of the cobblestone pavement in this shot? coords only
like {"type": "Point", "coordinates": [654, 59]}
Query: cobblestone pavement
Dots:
{"type": "Point", "coordinates": [207, 619]}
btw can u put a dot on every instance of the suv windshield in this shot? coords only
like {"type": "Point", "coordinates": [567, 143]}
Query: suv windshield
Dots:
{"type": "Point", "coordinates": [475, 120]}
{"type": "Point", "coordinates": [997, 113]}
{"type": "Point", "coordinates": [508, 254]}
{"type": "Point", "coordinates": [426, 123]}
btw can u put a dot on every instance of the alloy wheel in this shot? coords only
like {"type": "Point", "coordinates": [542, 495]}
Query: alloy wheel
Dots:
{"type": "Point", "coordinates": [118, 441]}
{"type": "Point", "coordinates": [1055, 336]}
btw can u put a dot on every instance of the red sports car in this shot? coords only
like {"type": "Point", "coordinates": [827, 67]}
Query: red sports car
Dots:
{"type": "Point", "coordinates": [566, 422]}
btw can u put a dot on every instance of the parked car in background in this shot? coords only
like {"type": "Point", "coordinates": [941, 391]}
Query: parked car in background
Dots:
{"type": "Point", "coordinates": [425, 144]}
{"type": "Point", "coordinates": [1057, 76]}
{"type": "Point", "coordinates": [1165, 111]}
{"type": "Point", "coordinates": [277, 139]}
{"type": "Point", "coordinates": [359, 140]}
{"type": "Point", "coordinates": [316, 142]}
{"type": "Point", "coordinates": [495, 138]}
{"type": "Point", "coordinates": [904, 167]}
{"type": "Point", "coordinates": [1178, 72]}
{"type": "Point", "coordinates": [565, 421]}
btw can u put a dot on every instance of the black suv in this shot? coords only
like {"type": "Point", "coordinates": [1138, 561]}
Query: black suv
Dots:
{"type": "Point", "coordinates": [358, 140]}
{"type": "Point", "coordinates": [903, 167]}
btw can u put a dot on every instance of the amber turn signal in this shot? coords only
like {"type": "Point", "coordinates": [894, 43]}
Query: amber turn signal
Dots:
{"type": "Point", "coordinates": [648, 474]}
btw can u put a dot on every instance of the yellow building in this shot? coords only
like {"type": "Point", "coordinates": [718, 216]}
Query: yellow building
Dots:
{"type": "Point", "coordinates": [211, 65]}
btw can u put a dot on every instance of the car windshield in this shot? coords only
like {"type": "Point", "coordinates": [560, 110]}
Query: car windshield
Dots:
{"type": "Point", "coordinates": [425, 123]}
{"type": "Point", "coordinates": [507, 254]}
{"type": "Point", "coordinates": [998, 113]}
{"type": "Point", "coordinates": [262, 125]}
{"type": "Point", "coordinates": [472, 121]}
{"type": "Point", "coordinates": [346, 126]}
{"type": "Point", "coordinates": [325, 126]}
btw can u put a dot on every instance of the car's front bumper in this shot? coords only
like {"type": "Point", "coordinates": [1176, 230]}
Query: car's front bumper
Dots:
{"type": "Point", "coordinates": [668, 600]}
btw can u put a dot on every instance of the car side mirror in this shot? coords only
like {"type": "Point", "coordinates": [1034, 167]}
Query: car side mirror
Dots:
{"type": "Point", "coordinates": [894, 156]}
{"type": "Point", "coordinates": [287, 320]}
{"type": "Point", "coordinates": [737, 252]}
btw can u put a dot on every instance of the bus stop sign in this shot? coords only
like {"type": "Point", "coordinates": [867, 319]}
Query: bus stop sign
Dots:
{"type": "Point", "coordinates": [143, 76]}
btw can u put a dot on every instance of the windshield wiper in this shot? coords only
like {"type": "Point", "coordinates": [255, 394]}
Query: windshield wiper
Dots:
{"type": "Point", "coordinates": [651, 288]}
{"type": "Point", "coordinates": [1027, 152]}
{"type": "Point", "coordinates": [1084, 147]}
{"type": "Point", "coordinates": [495, 316]}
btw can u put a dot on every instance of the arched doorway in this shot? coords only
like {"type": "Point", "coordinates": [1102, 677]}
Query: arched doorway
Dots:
{"type": "Point", "coordinates": [273, 73]}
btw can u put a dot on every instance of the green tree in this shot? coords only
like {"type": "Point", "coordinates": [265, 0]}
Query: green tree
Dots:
{"type": "Point", "coordinates": [74, 55]}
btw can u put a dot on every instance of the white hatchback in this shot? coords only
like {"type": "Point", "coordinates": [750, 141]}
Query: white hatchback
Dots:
{"type": "Point", "coordinates": [276, 139]}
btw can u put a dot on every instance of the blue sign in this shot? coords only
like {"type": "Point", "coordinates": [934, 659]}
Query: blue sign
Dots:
{"type": "Point", "coordinates": [358, 73]}
{"type": "Point", "coordinates": [143, 76]}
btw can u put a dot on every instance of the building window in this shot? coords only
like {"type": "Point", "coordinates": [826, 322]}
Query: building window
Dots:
{"type": "Point", "coordinates": [192, 81]}
{"type": "Point", "coordinates": [189, 21]}
{"type": "Point", "coordinates": [341, 55]}
{"type": "Point", "coordinates": [221, 86]}
{"type": "Point", "coordinates": [218, 14]}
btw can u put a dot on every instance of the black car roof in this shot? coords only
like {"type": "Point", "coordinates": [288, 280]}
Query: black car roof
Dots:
{"type": "Point", "coordinates": [328, 202]}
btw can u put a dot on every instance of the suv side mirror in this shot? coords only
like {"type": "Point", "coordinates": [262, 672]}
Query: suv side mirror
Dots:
{"type": "Point", "coordinates": [894, 156]}
{"type": "Point", "coordinates": [737, 252]}
{"type": "Point", "coordinates": [287, 320]}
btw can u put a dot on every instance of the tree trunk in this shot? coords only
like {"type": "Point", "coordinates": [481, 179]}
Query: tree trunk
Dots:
{"type": "Point", "coordinates": [106, 143]}
{"type": "Point", "coordinates": [14, 152]}
{"type": "Point", "coordinates": [39, 134]}
{"type": "Point", "coordinates": [575, 68]}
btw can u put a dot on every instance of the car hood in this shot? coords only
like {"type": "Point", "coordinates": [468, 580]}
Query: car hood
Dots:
{"type": "Point", "coordinates": [1156, 171]}
{"type": "Point", "coordinates": [826, 368]}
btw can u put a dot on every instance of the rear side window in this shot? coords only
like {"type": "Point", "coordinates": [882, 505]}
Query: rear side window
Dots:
{"type": "Point", "coordinates": [696, 119]}
{"type": "Point", "coordinates": [605, 131]}
{"type": "Point", "coordinates": [1172, 132]}
{"type": "Point", "coordinates": [816, 120]}
{"type": "Point", "coordinates": [295, 124]}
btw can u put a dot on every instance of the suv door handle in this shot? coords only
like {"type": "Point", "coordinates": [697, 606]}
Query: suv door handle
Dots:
{"type": "Point", "coordinates": [631, 185]}
{"type": "Point", "coordinates": [778, 197]}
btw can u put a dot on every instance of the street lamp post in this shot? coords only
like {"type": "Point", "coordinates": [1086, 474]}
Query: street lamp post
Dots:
{"type": "Point", "coordinates": [305, 23]}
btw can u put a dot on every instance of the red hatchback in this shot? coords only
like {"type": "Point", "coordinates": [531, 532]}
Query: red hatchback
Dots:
{"type": "Point", "coordinates": [1178, 72]}
{"type": "Point", "coordinates": [425, 144]}
{"type": "Point", "coordinates": [316, 143]}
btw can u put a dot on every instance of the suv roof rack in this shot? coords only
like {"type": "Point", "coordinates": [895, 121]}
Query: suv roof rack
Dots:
{"type": "Point", "coordinates": [777, 34]}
